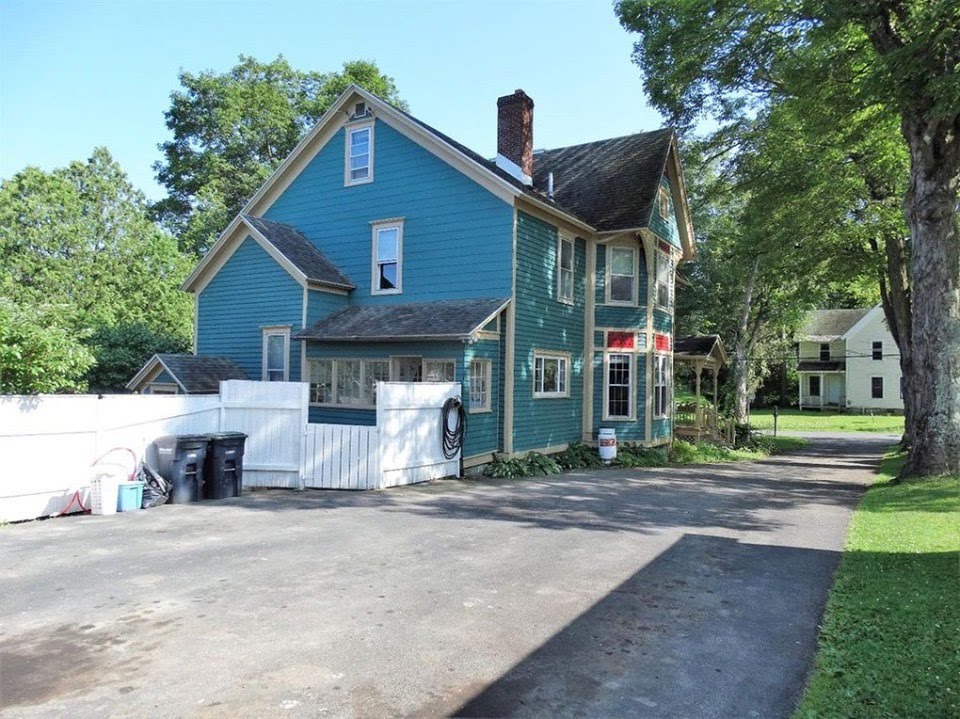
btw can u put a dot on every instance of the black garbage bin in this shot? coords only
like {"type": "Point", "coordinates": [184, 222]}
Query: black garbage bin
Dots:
{"type": "Point", "coordinates": [180, 459]}
{"type": "Point", "coordinates": [223, 473]}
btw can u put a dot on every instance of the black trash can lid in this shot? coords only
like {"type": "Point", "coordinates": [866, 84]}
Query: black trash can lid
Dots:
{"type": "Point", "coordinates": [218, 436]}
{"type": "Point", "coordinates": [191, 440]}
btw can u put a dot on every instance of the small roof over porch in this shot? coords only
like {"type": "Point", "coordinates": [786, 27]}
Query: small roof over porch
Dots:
{"type": "Point", "coordinates": [705, 351]}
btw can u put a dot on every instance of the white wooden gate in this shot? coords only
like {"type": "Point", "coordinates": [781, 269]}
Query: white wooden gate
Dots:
{"type": "Point", "coordinates": [338, 456]}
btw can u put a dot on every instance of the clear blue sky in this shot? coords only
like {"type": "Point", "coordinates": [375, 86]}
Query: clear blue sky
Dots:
{"type": "Point", "coordinates": [74, 75]}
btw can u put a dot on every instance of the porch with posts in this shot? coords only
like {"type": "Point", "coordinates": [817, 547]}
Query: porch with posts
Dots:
{"type": "Point", "coordinates": [699, 420]}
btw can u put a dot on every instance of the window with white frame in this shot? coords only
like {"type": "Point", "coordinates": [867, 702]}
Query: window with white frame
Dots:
{"type": "Point", "coordinates": [664, 278]}
{"type": "Point", "coordinates": [876, 350]}
{"type": "Point", "coordinates": [622, 275]}
{"type": "Point", "coordinates": [439, 370]}
{"type": "Point", "coordinates": [276, 354]}
{"type": "Point", "coordinates": [347, 382]}
{"type": "Point", "coordinates": [550, 375]}
{"type": "Point", "coordinates": [876, 387]}
{"type": "Point", "coordinates": [661, 386]}
{"type": "Point", "coordinates": [359, 155]}
{"type": "Point", "coordinates": [565, 270]}
{"type": "Point", "coordinates": [618, 386]}
{"type": "Point", "coordinates": [387, 257]}
{"type": "Point", "coordinates": [480, 385]}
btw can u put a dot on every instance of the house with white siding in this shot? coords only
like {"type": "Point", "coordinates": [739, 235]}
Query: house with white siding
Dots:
{"type": "Point", "coordinates": [382, 249]}
{"type": "Point", "coordinates": [848, 360]}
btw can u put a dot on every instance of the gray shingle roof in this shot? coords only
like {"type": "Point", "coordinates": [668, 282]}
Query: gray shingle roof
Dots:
{"type": "Point", "coordinates": [831, 324]}
{"type": "Point", "coordinates": [446, 320]}
{"type": "Point", "coordinates": [301, 252]}
{"type": "Point", "coordinates": [199, 374]}
{"type": "Point", "coordinates": [612, 184]}
{"type": "Point", "coordinates": [814, 366]}
{"type": "Point", "coordinates": [609, 184]}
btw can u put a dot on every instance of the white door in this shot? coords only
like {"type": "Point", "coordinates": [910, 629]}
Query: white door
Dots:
{"type": "Point", "coordinates": [834, 389]}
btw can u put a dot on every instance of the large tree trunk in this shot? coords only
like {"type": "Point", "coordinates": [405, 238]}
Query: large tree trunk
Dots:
{"type": "Point", "coordinates": [931, 210]}
{"type": "Point", "coordinates": [741, 352]}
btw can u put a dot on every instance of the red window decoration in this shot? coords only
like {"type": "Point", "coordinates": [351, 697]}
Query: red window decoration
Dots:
{"type": "Point", "coordinates": [621, 340]}
{"type": "Point", "coordinates": [661, 343]}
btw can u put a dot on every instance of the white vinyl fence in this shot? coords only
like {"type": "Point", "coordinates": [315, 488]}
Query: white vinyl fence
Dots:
{"type": "Point", "coordinates": [49, 442]}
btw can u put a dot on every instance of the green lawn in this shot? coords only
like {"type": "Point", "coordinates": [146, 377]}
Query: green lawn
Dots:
{"type": "Point", "coordinates": [793, 420]}
{"type": "Point", "coordinates": [890, 641]}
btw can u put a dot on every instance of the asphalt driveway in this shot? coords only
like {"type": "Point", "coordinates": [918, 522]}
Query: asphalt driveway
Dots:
{"type": "Point", "coordinates": [676, 592]}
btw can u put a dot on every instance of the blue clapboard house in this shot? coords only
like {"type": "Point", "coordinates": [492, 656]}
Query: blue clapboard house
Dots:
{"type": "Point", "coordinates": [382, 249]}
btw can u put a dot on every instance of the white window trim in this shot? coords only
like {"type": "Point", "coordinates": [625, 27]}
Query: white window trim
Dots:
{"type": "Point", "coordinates": [668, 378]}
{"type": "Point", "coordinates": [872, 349]}
{"type": "Point", "coordinates": [376, 227]}
{"type": "Point", "coordinates": [636, 275]}
{"type": "Point", "coordinates": [487, 369]}
{"type": "Point", "coordinates": [573, 270]}
{"type": "Point", "coordinates": [333, 379]}
{"type": "Point", "coordinates": [661, 256]}
{"type": "Point", "coordinates": [348, 131]}
{"type": "Point", "coordinates": [663, 199]}
{"type": "Point", "coordinates": [551, 355]}
{"type": "Point", "coordinates": [883, 387]}
{"type": "Point", "coordinates": [284, 331]}
{"type": "Point", "coordinates": [607, 417]}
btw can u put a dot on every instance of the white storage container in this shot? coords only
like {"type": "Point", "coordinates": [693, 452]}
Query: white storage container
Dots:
{"type": "Point", "coordinates": [608, 444]}
{"type": "Point", "coordinates": [104, 490]}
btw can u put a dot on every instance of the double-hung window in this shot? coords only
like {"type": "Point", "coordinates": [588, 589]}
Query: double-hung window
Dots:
{"type": "Point", "coordinates": [877, 350]}
{"type": "Point", "coordinates": [825, 352]}
{"type": "Point", "coordinates": [618, 387]}
{"type": "Point", "coordinates": [664, 278]}
{"type": "Point", "coordinates": [347, 382]}
{"type": "Point", "coordinates": [359, 155]}
{"type": "Point", "coordinates": [814, 386]}
{"type": "Point", "coordinates": [276, 354]}
{"type": "Point", "coordinates": [876, 387]}
{"type": "Point", "coordinates": [565, 270]}
{"type": "Point", "coordinates": [550, 375]}
{"type": "Point", "coordinates": [387, 257]}
{"type": "Point", "coordinates": [661, 386]}
{"type": "Point", "coordinates": [480, 385]}
{"type": "Point", "coordinates": [622, 275]}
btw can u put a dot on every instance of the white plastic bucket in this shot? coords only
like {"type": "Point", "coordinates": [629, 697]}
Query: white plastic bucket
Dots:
{"type": "Point", "coordinates": [608, 444]}
{"type": "Point", "coordinates": [104, 490]}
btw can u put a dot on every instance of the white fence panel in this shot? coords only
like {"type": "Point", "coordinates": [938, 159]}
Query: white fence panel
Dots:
{"type": "Point", "coordinates": [273, 415]}
{"type": "Point", "coordinates": [48, 442]}
{"type": "Point", "coordinates": [410, 424]}
{"type": "Point", "coordinates": [338, 456]}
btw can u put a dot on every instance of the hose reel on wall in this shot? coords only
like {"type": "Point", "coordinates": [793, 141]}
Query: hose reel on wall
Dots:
{"type": "Point", "coordinates": [452, 434]}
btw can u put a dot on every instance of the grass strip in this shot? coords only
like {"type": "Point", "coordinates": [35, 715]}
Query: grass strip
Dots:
{"type": "Point", "coordinates": [890, 641]}
{"type": "Point", "coordinates": [793, 420]}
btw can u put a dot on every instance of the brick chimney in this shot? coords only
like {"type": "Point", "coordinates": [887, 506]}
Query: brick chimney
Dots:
{"type": "Point", "coordinates": [515, 135]}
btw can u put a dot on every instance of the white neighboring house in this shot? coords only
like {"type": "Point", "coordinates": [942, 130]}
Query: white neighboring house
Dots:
{"type": "Point", "coordinates": [848, 360]}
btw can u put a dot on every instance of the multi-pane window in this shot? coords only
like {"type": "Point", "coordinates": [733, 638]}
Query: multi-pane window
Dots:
{"type": "Point", "coordinates": [348, 382]}
{"type": "Point", "coordinates": [623, 275]}
{"type": "Point", "coordinates": [359, 156]}
{"type": "Point", "coordinates": [550, 375]}
{"type": "Point", "coordinates": [664, 278]}
{"type": "Point", "coordinates": [825, 352]}
{"type": "Point", "coordinates": [480, 385]}
{"type": "Point", "coordinates": [276, 345]}
{"type": "Point", "coordinates": [565, 267]}
{"type": "Point", "coordinates": [877, 350]}
{"type": "Point", "coordinates": [439, 370]}
{"type": "Point", "coordinates": [814, 386]}
{"type": "Point", "coordinates": [876, 387]}
{"type": "Point", "coordinates": [661, 386]}
{"type": "Point", "coordinates": [387, 250]}
{"type": "Point", "coordinates": [619, 383]}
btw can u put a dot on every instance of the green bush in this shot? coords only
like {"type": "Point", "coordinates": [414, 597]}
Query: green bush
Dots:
{"type": "Point", "coordinates": [578, 456]}
{"type": "Point", "coordinates": [634, 455]}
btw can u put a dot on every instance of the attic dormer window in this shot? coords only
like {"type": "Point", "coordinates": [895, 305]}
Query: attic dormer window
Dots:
{"type": "Point", "coordinates": [664, 202]}
{"type": "Point", "coordinates": [359, 154]}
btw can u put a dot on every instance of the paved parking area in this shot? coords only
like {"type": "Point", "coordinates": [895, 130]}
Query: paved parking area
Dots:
{"type": "Point", "coordinates": [677, 592]}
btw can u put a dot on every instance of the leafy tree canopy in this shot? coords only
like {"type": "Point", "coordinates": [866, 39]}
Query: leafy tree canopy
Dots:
{"type": "Point", "coordinates": [78, 254]}
{"type": "Point", "coordinates": [231, 130]}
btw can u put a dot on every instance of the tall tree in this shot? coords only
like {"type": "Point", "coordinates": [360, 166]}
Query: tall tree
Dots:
{"type": "Point", "coordinates": [78, 249]}
{"type": "Point", "coordinates": [231, 130]}
{"type": "Point", "coordinates": [734, 61]}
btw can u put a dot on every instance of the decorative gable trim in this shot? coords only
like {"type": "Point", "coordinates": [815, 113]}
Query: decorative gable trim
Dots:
{"type": "Point", "coordinates": [678, 190]}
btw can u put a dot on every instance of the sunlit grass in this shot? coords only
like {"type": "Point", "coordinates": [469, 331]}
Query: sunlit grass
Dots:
{"type": "Point", "coordinates": [891, 633]}
{"type": "Point", "coordinates": [794, 420]}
